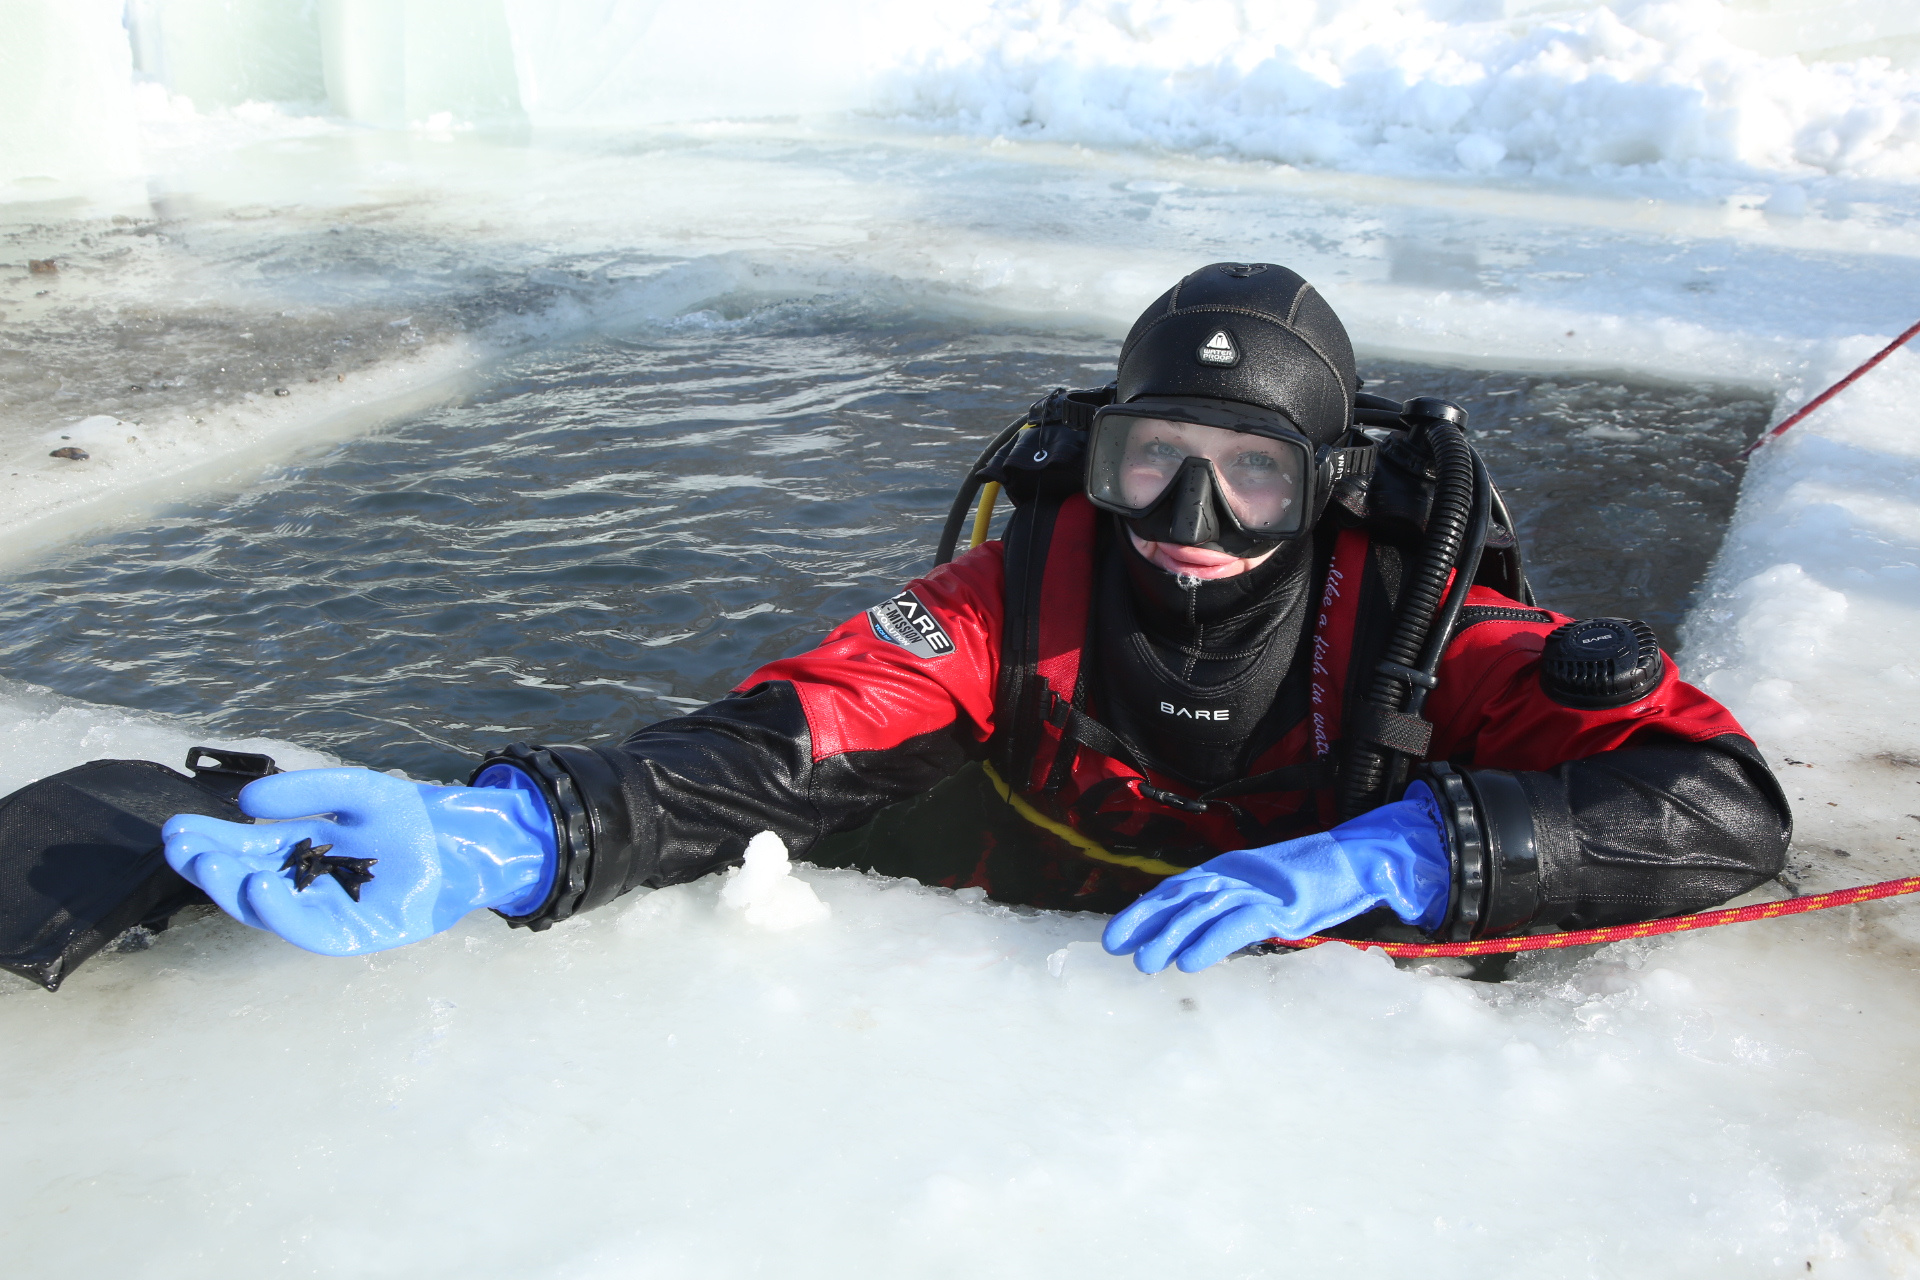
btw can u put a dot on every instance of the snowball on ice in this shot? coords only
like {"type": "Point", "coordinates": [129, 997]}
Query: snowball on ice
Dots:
{"type": "Point", "coordinates": [766, 893]}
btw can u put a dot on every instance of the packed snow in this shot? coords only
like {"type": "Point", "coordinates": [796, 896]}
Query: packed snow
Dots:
{"type": "Point", "coordinates": [820, 1072]}
{"type": "Point", "coordinates": [1511, 88]}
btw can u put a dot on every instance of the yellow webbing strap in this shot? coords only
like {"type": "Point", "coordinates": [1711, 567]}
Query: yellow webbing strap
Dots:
{"type": "Point", "coordinates": [1072, 837]}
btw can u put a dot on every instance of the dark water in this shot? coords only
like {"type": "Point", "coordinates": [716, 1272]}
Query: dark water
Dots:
{"type": "Point", "coordinates": [619, 531]}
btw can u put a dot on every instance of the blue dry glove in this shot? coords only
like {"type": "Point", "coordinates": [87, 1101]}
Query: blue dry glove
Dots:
{"type": "Point", "coordinates": [1395, 856]}
{"type": "Point", "coordinates": [438, 853]}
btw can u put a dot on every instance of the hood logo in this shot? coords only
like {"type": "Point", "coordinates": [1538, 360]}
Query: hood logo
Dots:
{"type": "Point", "coordinates": [1219, 351]}
{"type": "Point", "coordinates": [1241, 270]}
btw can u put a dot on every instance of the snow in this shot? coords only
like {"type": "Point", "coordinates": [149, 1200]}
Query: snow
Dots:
{"type": "Point", "coordinates": [765, 892]}
{"type": "Point", "coordinates": [823, 1073]}
{"type": "Point", "coordinates": [922, 1083]}
{"type": "Point", "coordinates": [1678, 88]}
{"type": "Point", "coordinates": [1807, 627]}
{"type": "Point", "coordinates": [1395, 85]}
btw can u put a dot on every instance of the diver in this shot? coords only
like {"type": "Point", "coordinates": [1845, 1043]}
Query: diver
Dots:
{"type": "Point", "coordinates": [1254, 659]}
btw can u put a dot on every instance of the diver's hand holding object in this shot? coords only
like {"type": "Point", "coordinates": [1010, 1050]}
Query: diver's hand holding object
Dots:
{"type": "Point", "coordinates": [363, 861]}
{"type": "Point", "coordinates": [1393, 856]}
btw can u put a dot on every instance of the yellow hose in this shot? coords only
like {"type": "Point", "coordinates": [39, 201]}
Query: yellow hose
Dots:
{"type": "Point", "coordinates": [983, 515]}
{"type": "Point", "coordinates": [1072, 837]}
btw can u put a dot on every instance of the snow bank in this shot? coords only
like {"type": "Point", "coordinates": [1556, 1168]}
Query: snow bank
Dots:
{"type": "Point", "coordinates": [1407, 85]}
{"type": "Point", "coordinates": [1675, 89]}
{"type": "Point", "coordinates": [1808, 623]}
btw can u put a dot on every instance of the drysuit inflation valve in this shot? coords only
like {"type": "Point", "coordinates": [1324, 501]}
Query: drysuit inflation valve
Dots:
{"type": "Point", "coordinates": [1601, 662]}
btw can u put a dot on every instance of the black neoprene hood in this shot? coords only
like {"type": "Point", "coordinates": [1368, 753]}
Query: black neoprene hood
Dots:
{"type": "Point", "coordinates": [1250, 332]}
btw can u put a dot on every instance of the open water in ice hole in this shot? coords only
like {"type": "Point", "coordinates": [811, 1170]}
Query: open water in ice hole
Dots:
{"type": "Point", "coordinates": [618, 531]}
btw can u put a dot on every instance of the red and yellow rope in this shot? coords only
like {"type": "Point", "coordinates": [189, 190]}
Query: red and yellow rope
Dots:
{"type": "Point", "coordinates": [1616, 933]}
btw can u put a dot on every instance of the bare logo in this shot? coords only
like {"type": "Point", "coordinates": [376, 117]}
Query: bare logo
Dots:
{"type": "Point", "coordinates": [1219, 350]}
{"type": "Point", "coordinates": [906, 622]}
{"type": "Point", "coordinates": [1192, 713]}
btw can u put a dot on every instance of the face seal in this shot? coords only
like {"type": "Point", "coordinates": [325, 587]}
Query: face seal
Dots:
{"type": "Point", "coordinates": [1214, 474]}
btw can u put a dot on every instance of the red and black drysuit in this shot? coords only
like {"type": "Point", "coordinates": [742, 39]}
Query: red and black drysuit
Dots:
{"type": "Point", "coordinates": [1598, 817]}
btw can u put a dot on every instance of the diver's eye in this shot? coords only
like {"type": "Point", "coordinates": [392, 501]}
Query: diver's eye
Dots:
{"type": "Point", "coordinates": [1160, 451]}
{"type": "Point", "coordinates": [1256, 462]}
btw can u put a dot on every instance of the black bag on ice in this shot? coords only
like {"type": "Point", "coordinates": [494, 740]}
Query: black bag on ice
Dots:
{"type": "Point", "coordinates": [81, 860]}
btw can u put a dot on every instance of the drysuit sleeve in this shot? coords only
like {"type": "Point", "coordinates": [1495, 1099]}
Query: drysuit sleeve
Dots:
{"type": "Point", "coordinates": [1579, 818]}
{"type": "Point", "coordinates": [893, 700]}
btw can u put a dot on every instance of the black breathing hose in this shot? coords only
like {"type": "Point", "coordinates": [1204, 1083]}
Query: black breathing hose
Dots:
{"type": "Point", "coordinates": [1368, 771]}
{"type": "Point", "coordinates": [1443, 626]}
{"type": "Point", "coordinates": [969, 490]}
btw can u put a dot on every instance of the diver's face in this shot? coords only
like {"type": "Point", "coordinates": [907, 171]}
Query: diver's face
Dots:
{"type": "Point", "coordinates": [1252, 472]}
{"type": "Point", "coordinates": [1258, 476]}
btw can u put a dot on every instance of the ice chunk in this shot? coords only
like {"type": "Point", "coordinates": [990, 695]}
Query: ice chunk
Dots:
{"type": "Point", "coordinates": [764, 891]}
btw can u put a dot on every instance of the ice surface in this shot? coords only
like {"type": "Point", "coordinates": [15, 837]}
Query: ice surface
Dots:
{"type": "Point", "coordinates": [66, 97]}
{"type": "Point", "coordinates": [42, 734]}
{"type": "Point", "coordinates": [1809, 622]}
{"type": "Point", "coordinates": [922, 1082]}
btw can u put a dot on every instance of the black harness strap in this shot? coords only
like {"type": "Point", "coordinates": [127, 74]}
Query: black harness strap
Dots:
{"type": "Point", "coordinates": [1018, 714]}
{"type": "Point", "coordinates": [1394, 730]}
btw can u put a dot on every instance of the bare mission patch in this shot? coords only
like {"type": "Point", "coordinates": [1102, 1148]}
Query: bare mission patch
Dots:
{"type": "Point", "coordinates": [906, 622]}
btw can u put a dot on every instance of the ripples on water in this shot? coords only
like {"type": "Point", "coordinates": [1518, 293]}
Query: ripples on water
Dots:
{"type": "Point", "coordinates": [619, 531]}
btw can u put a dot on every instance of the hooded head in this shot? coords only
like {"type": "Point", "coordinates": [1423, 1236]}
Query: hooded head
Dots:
{"type": "Point", "coordinates": [1218, 382]}
{"type": "Point", "coordinates": [1248, 332]}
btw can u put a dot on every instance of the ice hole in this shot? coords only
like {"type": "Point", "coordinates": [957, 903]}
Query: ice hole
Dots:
{"type": "Point", "coordinates": [613, 532]}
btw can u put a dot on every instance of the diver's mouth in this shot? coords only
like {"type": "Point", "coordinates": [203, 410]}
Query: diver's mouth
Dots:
{"type": "Point", "coordinates": [1193, 562]}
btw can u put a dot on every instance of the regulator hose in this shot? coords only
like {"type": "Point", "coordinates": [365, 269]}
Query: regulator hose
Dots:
{"type": "Point", "coordinates": [1368, 770]}
{"type": "Point", "coordinates": [969, 490]}
{"type": "Point", "coordinates": [1441, 634]}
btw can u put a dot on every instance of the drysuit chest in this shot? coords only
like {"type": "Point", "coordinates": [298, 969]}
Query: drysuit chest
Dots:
{"type": "Point", "coordinates": [1202, 702]}
{"type": "Point", "coordinates": [1273, 768]}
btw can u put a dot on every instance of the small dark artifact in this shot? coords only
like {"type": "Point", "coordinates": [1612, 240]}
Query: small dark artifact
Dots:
{"type": "Point", "coordinates": [309, 864]}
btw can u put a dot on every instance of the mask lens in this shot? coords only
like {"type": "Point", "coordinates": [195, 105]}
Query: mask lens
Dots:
{"type": "Point", "coordinates": [1135, 459]}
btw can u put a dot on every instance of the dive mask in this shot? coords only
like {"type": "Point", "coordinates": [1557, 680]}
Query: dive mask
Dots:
{"type": "Point", "coordinates": [1211, 473]}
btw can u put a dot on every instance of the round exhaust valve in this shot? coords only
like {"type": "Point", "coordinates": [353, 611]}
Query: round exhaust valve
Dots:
{"type": "Point", "coordinates": [1601, 662]}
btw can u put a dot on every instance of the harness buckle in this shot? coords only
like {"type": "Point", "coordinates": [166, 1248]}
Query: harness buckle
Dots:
{"type": "Point", "coordinates": [1171, 799]}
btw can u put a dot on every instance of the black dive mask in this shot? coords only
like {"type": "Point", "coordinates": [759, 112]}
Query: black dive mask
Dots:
{"type": "Point", "coordinates": [1212, 474]}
